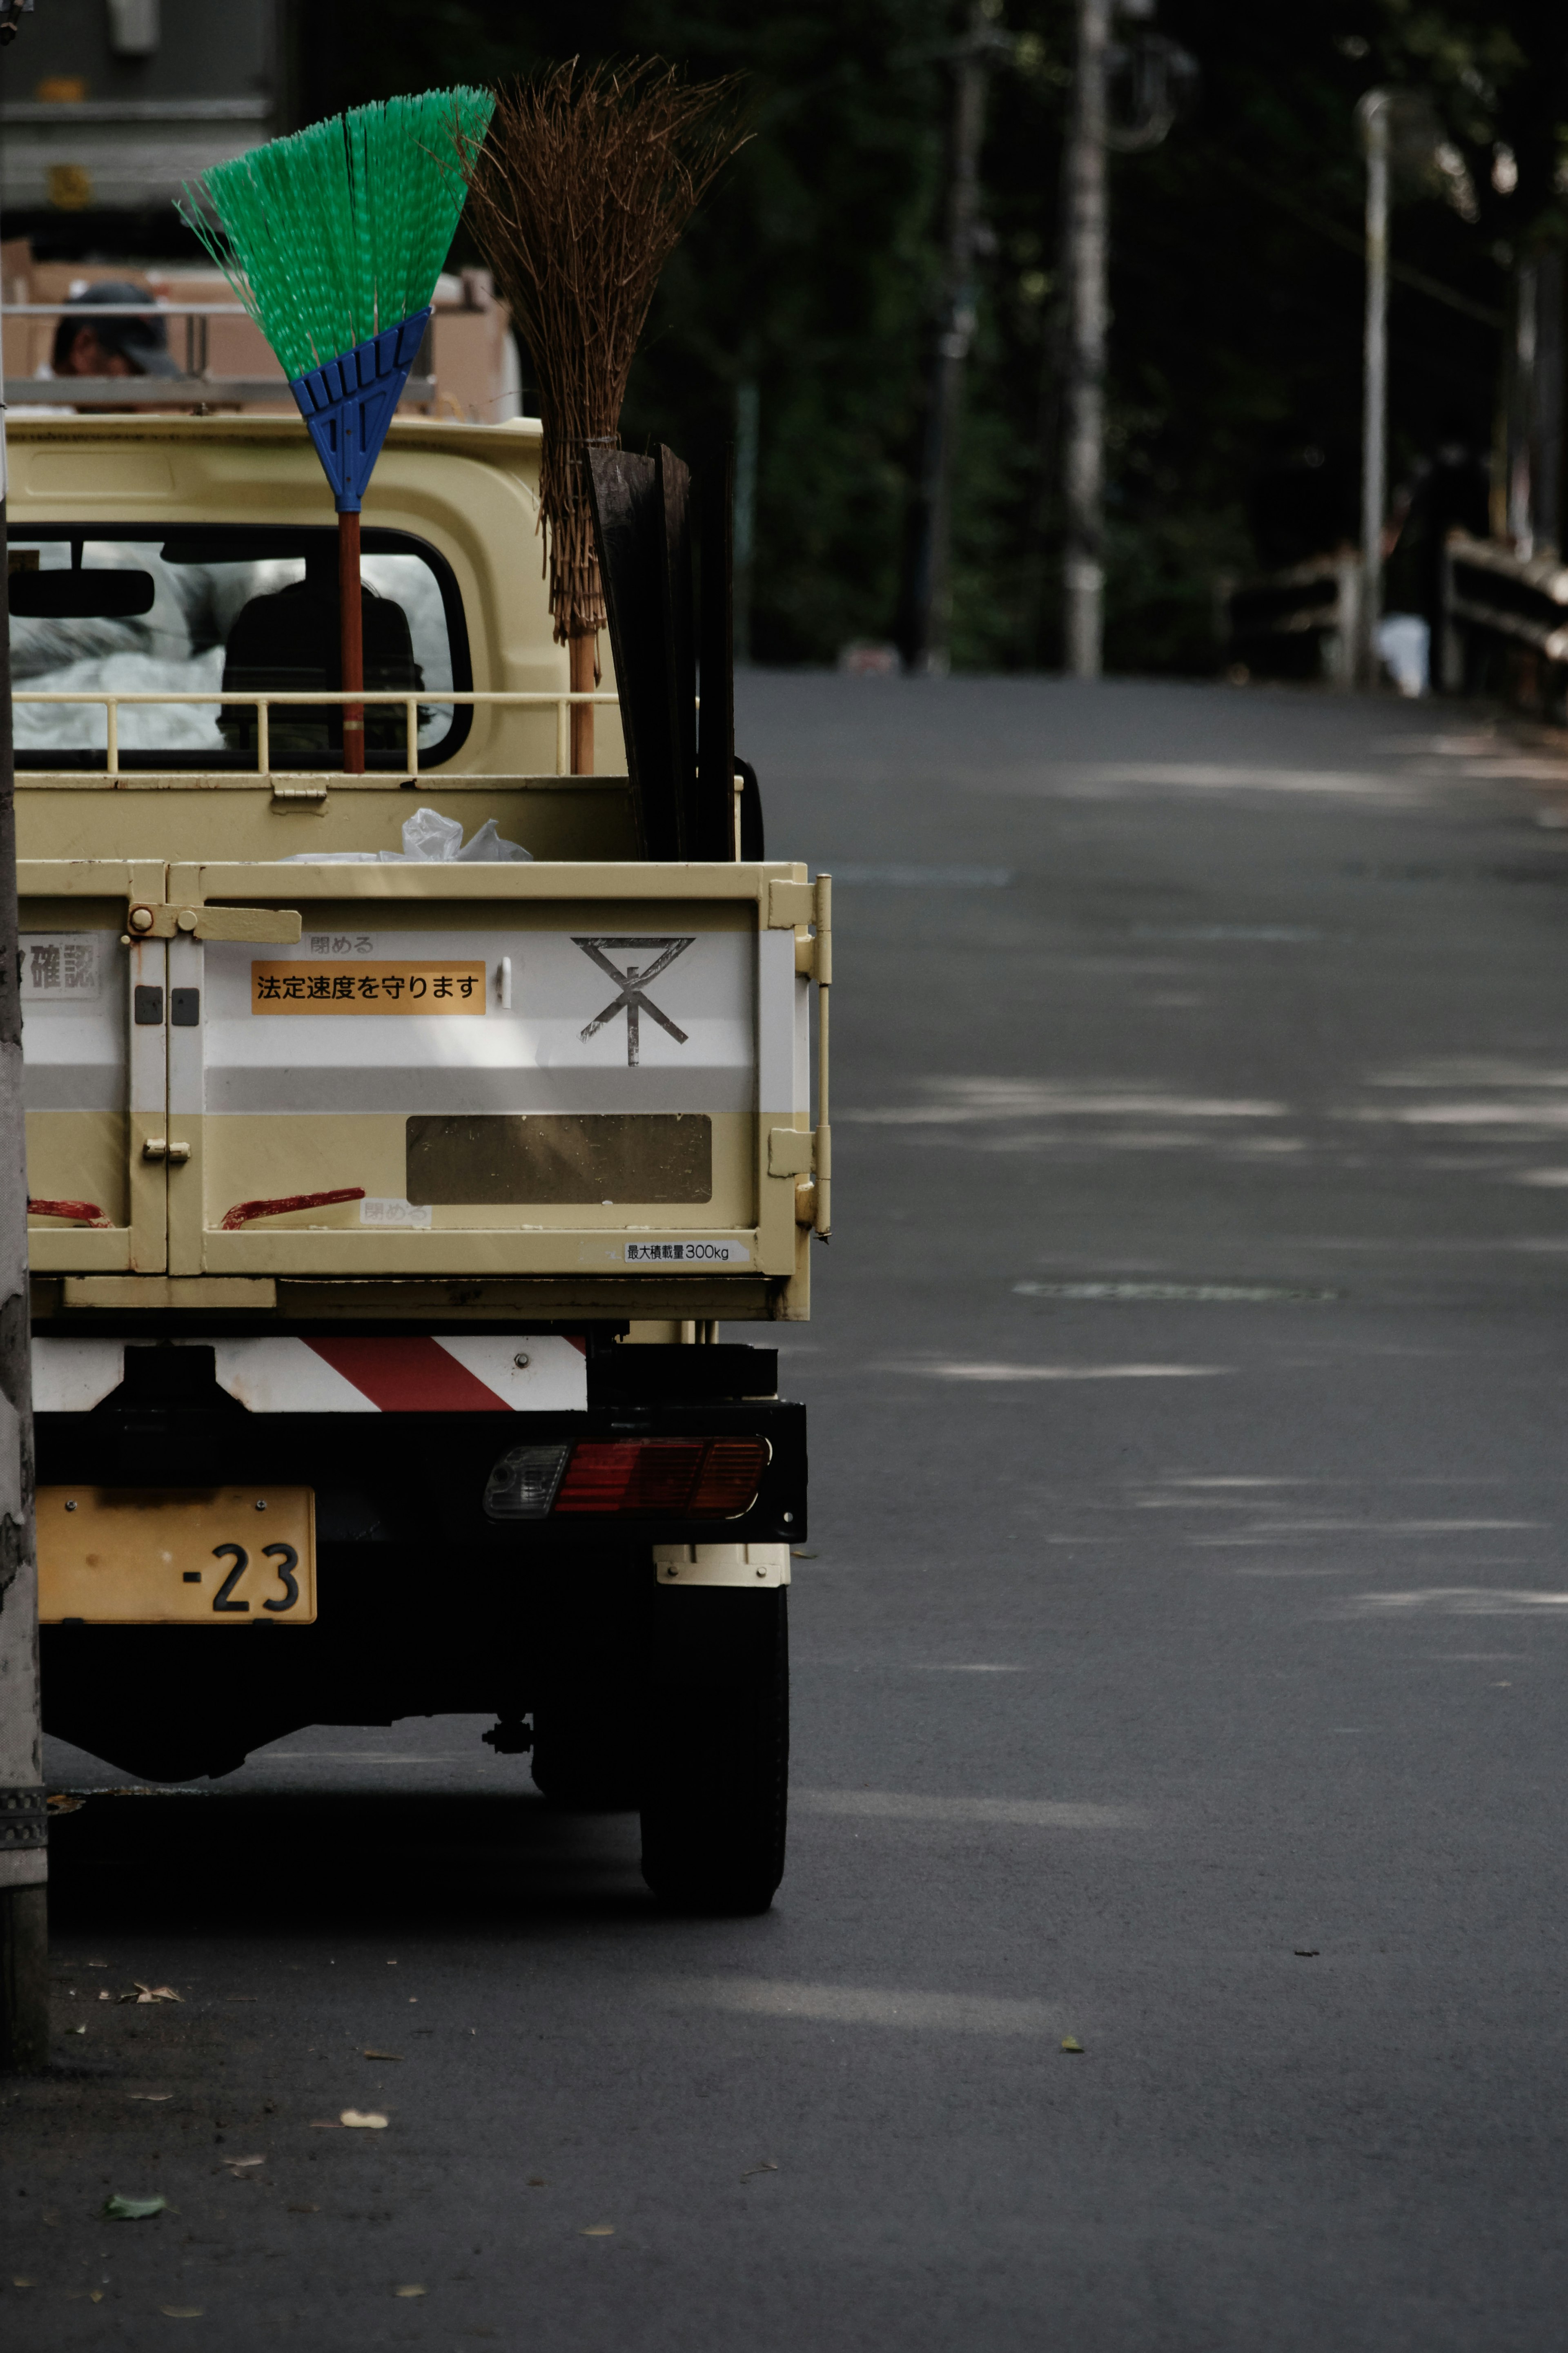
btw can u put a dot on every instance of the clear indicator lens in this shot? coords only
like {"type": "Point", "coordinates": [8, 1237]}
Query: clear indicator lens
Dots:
{"type": "Point", "coordinates": [522, 1484]}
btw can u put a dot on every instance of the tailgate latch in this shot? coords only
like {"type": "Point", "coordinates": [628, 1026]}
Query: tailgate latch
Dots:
{"type": "Point", "coordinates": [277, 926]}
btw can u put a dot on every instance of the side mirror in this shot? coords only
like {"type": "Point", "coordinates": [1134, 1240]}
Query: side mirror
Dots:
{"type": "Point", "coordinates": [62, 596]}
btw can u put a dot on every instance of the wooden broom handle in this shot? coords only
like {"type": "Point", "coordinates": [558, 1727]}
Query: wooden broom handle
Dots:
{"type": "Point", "coordinates": [584, 657]}
{"type": "Point", "coordinates": [350, 616]}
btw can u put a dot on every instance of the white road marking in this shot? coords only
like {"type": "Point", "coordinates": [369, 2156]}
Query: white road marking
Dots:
{"type": "Point", "coordinates": [1031, 1813]}
{"type": "Point", "coordinates": [1459, 1602]}
{"type": "Point", "coordinates": [831, 2005]}
{"type": "Point", "coordinates": [916, 878]}
{"type": "Point", "coordinates": [961, 1372]}
{"type": "Point", "coordinates": [959, 1100]}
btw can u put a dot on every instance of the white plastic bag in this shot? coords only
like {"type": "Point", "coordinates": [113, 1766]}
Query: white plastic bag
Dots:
{"type": "Point", "coordinates": [428, 835]}
{"type": "Point", "coordinates": [1404, 646]}
{"type": "Point", "coordinates": [428, 839]}
{"type": "Point", "coordinates": [488, 847]}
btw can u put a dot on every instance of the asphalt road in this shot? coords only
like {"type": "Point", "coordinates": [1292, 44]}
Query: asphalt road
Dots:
{"type": "Point", "coordinates": [1178, 1661]}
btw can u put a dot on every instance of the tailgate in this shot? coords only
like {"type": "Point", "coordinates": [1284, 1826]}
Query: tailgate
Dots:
{"type": "Point", "coordinates": [452, 1070]}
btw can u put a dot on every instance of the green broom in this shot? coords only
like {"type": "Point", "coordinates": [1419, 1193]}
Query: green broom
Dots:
{"type": "Point", "coordinates": [333, 239]}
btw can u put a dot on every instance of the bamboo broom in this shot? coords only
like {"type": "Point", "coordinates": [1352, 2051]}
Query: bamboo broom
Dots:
{"type": "Point", "coordinates": [577, 197]}
{"type": "Point", "coordinates": [332, 238]}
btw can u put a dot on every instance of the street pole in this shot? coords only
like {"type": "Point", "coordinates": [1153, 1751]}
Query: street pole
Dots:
{"type": "Point", "coordinates": [930, 599]}
{"type": "Point", "coordinates": [24, 1861]}
{"type": "Point", "coordinates": [1083, 483]}
{"type": "Point", "coordinates": [1373, 116]}
{"type": "Point", "coordinates": [1523, 436]}
{"type": "Point", "coordinates": [748, 418]}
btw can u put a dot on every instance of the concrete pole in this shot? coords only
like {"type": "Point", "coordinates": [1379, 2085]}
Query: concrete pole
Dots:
{"type": "Point", "coordinates": [1546, 489]}
{"type": "Point", "coordinates": [929, 624]}
{"type": "Point", "coordinates": [1523, 436]}
{"type": "Point", "coordinates": [1372, 112]}
{"type": "Point", "coordinates": [24, 1862]}
{"type": "Point", "coordinates": [1083, 472]}
{"type": "Point", "coordinates": [747, 423]}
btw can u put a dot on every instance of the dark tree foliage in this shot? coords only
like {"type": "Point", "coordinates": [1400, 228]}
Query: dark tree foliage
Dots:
{"type": "Point", "coordinates": [1237, 283]}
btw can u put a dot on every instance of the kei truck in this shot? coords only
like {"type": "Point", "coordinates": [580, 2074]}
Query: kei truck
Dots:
{"type": "Point", "coordinates": [399, 1141]}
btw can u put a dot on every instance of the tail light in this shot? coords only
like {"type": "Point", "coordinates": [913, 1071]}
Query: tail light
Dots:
{"type": "Point", "coordinates": [701, 1478]}
{"type": "Point", "coordinates": [704, 1478]}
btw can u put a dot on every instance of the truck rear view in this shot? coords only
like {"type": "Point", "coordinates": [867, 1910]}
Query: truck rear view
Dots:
{"type": "Point", "coordinates": [385, 1207]}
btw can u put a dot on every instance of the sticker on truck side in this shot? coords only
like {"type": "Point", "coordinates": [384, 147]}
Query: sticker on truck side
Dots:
{"type": "Point", "coordinates": [688, 1254]}
{"type": "Point", "coordinates": [401, 988]}
{"type": "Point", "coordinates": [407, 1215]}
{"type": "Point", "coordinates": [60, 967]}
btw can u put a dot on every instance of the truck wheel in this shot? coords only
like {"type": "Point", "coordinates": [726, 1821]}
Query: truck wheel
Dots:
{"type": "Point", "coordinates": [714, 1807]}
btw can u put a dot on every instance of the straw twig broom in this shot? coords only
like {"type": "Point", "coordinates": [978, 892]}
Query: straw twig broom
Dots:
{"type": "Point", "coordinates": [577, 197]}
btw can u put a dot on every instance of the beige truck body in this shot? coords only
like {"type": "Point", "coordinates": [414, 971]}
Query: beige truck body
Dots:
{"type": "Point", "coordinates": [453, 1051]}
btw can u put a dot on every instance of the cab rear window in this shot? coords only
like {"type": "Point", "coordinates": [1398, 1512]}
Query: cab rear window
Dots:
{"type": "Point", "coordinates": [226, 610]}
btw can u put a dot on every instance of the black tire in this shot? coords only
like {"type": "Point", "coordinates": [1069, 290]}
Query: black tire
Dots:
{"type": "Point", "coordinates": [714, 1809]}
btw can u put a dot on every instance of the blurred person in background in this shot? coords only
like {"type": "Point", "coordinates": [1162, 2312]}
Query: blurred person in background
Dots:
{"type": "Point", "coordinates": [1449, 491]}
{"type": "Point", "coordinates": [114, 346]}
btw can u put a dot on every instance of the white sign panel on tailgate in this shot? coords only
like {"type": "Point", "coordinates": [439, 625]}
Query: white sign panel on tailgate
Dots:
{"type": "Point", "coordinates": [595, 1022]}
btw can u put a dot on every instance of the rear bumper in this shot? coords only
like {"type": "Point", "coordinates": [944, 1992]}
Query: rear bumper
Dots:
{"type": "Point", "coordinates": [417, 1479]}
{"type": "Point", "coordinates": [425, 1606]}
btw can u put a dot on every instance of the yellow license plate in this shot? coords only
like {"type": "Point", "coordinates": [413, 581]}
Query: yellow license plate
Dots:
{"type": "Point", "coordinates": [176, 1556]}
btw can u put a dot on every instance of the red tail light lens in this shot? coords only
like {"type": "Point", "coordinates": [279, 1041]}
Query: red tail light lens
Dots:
{"type": "Point", "coordinates": [732, 1468]}
{"type": "Point", "coordinates": [713, 1478]}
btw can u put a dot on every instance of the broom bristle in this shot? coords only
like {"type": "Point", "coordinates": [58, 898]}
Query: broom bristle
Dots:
{"type": "Point", "coordinates": [337, 231]}
{"type": "Point", "coordinates": [577, 197]}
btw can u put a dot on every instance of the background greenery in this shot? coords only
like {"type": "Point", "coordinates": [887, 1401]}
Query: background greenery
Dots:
{"type": "Point", "coordinates": [1236, 282]}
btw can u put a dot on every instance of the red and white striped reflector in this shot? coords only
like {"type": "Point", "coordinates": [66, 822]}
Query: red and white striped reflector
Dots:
{"type": "Point", "coordinates": [454, 1372]}
{"type": "Point", "coordinates": [703, 1478]}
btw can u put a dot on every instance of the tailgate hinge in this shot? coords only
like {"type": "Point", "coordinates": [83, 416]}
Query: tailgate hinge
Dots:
{"type": "Point", "coordinates": [792, 1152]}
{"type": "Point", "coordinates": [790, 903]}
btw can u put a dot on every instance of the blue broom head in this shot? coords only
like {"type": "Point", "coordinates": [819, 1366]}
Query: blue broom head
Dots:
{"type": "Point", "coordinates": [333, 239]}
{"type": "Point", "coordinates": [348, 405]}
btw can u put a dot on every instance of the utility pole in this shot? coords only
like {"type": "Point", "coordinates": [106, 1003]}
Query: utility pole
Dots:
{"type": "Point", "coordinates": [1372, 111]}
{"type": "Point", "coordinates": [928, 601]}
{"type": "Point", "coordinates": [1523, 437]}
{"type": "Point", "coordinates": [748, 418]}
{"type": "Point", "coordinates": [24, 1861]}
{"type": "Point", "coordinates": [1083, 471]}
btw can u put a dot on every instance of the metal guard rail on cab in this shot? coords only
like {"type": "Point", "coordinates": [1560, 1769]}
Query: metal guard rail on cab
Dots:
{"type": "Point", "coordinates": [195, 389]}
{"type": "Point", "coordinates": [437, 698]}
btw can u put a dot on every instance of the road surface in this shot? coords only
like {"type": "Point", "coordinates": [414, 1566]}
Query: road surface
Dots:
{"type": "Point", "coordinates": [1179, 1662]}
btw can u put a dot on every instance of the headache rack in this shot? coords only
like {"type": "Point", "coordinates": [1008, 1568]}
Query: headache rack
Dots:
{"type": "Point", "coordinates": [300, 779]}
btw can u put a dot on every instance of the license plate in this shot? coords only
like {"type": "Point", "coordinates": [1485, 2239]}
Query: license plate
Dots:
{"type": "Point", "coordinates": [176, 1556]}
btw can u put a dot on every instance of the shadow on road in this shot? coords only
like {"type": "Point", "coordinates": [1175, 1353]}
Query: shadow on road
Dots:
{"type": "Point", "coordinates": [202, 1861]}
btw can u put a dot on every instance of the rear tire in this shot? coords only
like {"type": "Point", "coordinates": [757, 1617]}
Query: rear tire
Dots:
{"type": "Point", "coordinates": [715, 1802]}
